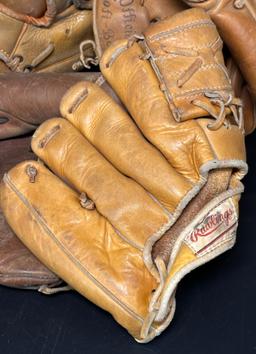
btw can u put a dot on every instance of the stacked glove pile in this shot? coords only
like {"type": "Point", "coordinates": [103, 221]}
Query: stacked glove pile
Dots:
{"type": "Point", "coordinates": [139, 169]}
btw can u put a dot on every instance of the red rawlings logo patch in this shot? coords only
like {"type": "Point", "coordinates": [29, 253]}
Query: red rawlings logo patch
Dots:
{"type": "Point", "coordinates": [214, 229]}
{"type": "Point", "coordinates": [211, 224]}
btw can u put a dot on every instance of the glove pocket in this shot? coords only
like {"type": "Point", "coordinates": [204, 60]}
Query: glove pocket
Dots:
{"type": "Point", "coordinates": [77, 244]}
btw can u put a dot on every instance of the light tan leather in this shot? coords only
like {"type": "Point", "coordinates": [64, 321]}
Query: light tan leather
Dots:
{"type": "Point", "coordinates": [236, 22]}
{"type": "Point", "coordinates": [122, 285]}
{"type": "Point", "coordinates": [115, 20]}
{"type": "Point", "coordinates": [101, 121]}
{"type": "Point", "coordinates": [136, 219]}
{"type": "Point", "coordinates": [26, 45]}
{"type": "Point", "coordinates": [129, 182]}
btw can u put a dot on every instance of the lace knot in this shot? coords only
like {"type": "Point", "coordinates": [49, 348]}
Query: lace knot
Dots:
{"type": "Point", "coordinates": [223, 102]}
{"type": "Point", "coordinates": [84, 61]}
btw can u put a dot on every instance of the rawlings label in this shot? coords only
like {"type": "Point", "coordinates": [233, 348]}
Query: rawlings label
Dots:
{"type": "Point", "coordinates": [218, 226]}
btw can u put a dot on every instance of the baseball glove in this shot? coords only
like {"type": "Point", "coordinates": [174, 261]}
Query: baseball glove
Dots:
{"type": "Point", "coordinates": [115, 20]}
{"type": "Point", "coordinates": [147, 199]}
{"type": "Point", "coordinates": [236, 22]}
{"type": "Point", "coordinates": [60, 39]}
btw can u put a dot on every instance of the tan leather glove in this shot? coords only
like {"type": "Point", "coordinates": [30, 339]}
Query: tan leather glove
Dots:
{"type": "Point", "coordinates": [122, 19]}
{"type": "Point", "coordinates": [60, 39]}
{"type": "Point", "coordinates": [146, 201]}
{"type": "Point", "coordinates": [236, 22]}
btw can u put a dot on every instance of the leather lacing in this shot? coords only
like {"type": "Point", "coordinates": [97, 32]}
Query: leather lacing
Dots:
{"type": "Point", "coordinates": [239, 4]}
{"type": "Point", "coordinates": [216, 98]}
{"type": "Point", "coordinates": [45, 21]}
{"type": "Point", "coordinates": [84, 61]}
{"type": "Point", "coordinates": [14, 63]}
{"type": "Point", "coordinates": [234, 104]}
{"type": "Point", "coordinates": [48, 290]}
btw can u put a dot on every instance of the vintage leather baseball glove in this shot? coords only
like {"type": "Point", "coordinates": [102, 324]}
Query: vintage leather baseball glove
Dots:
{"type": "Point", "coordinates": [131, 205]}
{"type": "Point", "coordinates": [45, 36]}
{"type": "Point", "coordinates": [115, 20]}
{"type": "Point", "coordinates": [236, 22]}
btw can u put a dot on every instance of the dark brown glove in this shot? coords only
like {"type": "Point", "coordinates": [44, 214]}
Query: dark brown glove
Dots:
{"type": "Point", "coordinates": [26, 7]}
{"type": "Point", "coordinates": [27, 100]}
{"type": "Point", "coordinates": [38, 8]}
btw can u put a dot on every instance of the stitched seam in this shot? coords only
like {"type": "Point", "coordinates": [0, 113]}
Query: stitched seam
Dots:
{"type": "Point", "coordinates": [66, 251]}
{"type": "Point", "coordinates": [202, 68]}
{"type": "Point", "coordinates": [127, 240]}
{"type": "Point", "coordinates": [201, 90]}
{"type": "Point", "coordinates": [62, 61]}
{"type": "Point", "coordinates": [19, 39]}
{"type": "Point", "coordinates": [205, 46]}
{"type": "Point", "coordinates": [26, 275]}
{"type": "Point", "coordinates": [33, 125]}
{"type": "Point", "coordinates": [182, 28]}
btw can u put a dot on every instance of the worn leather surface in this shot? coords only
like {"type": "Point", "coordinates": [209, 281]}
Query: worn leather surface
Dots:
{"type": "Point", "coordinates": [50, 43]}
{"type": "Point", "coordinates": [241, 90]}
{"type": "Point", "coordinates": [236, 22]}
{"type": "Point", "coordinates": [83, 4]}
{"type": "Point", "coordinates": [116, 186]}
{"type": "Point", "coordinates": [115, 20]}
{"type": "Point", "coordinates": [27, 7]}
{"type": "Point", "coordinates": [37, 98]}
{"type": "Point", "coordinates": [18, 266]}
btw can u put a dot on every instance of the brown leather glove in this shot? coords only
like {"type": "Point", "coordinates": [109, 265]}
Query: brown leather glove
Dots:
{"type": "Point", "coordinates": [236, 22]}
{"type": "Point", "coordinates": [37, 98]}
{"type": "Point", "coordinates": [122, 19]}
{"type": "Point", "coordinates": [147, 200]}
{"type": "Point", "coordinates": [241, 90]}
{"type": "Point", "coordinates": [38, 8]}
{"type": "Point", "coordinates": [28, 7]}
{"type": "Point", "coordinates": [18, 266]}
{"type": "Point", "coordinates": [53, 37]}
